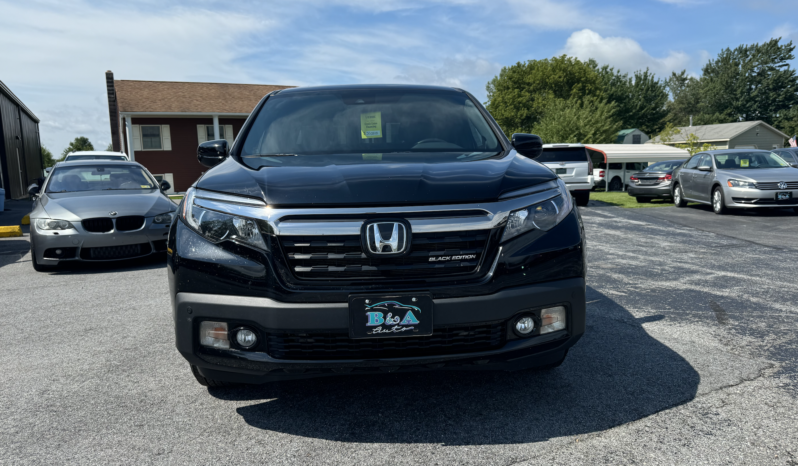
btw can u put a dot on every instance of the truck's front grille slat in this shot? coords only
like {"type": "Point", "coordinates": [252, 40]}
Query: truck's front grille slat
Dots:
{"type": "Point", "coordinates": [328, 346]}
{"type": "Point", "coordinates": [431, 255]}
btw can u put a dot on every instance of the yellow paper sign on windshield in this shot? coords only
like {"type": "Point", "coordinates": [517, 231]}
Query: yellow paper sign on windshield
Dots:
{"type": "Point", "coordinates": [372, 156]}
{"type": "Point", "coordinates": [371, 125]}
{"type": "Point", "coordinates": [743, 163]}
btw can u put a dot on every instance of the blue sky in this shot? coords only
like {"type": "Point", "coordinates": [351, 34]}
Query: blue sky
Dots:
{"type": "Point", "coordinates": [53, 54]}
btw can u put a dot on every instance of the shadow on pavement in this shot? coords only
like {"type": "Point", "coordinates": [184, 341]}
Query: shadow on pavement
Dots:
{"type": "Point", "coordinates": [155, 261]}
{"type": "Point", "coordinates": [616, 374]}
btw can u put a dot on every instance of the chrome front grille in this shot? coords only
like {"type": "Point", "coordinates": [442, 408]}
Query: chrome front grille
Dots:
{"type": "Point", "coordinates": [774, 185]}
{"type": "Point", "coordinates": [342, 257]}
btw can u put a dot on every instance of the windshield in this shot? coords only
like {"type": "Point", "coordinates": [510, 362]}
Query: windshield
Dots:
{"type": "Point", "coordinates": [749, 160]}
{"type": "Point", "coordinates": [98, 178]}
{"type": "Point", "coordinates": [664, 166]}
{"type": "Point", "coordinates": [95, 157]}
{"type": "Point", "coordinates": [362, 126]}
{"type": "Point", "coordinates": [564, 154]}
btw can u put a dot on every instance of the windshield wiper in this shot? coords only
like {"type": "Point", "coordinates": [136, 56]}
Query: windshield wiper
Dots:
{"type": "Point", "coordinates": [267, 155]}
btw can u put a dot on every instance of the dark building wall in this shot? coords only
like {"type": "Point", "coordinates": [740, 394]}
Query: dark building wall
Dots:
{"type": "Point", "coordinates": [20, 150]}
{"type": "Point", "coordinates": [181, 161]}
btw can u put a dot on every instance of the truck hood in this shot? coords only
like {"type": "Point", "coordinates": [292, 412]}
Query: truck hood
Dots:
{"type": "Point", "coordinates": [381, 184]}
{"type": "Point", "coordinates": [89, 204]}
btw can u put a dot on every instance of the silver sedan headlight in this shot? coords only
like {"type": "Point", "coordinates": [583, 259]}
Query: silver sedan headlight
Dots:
{"type": "Point", "coordinates": [164, 218]}
{"type": "Point", "coordinates": [541, 216]}
{"type": "Point", "coordinates": [741, 184]}
{"type": "Point", "coordinates": [53, 224]}
{"type": "Point", "coordinates": [217, 226]}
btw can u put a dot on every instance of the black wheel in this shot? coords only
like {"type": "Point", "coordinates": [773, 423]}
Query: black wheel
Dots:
{"type": "Point", "coordinates": [582, 198]}
{"type": "Point", "coordinates": [643, 200]}
{"type": "Point", "coordinates": [718, 203]}
{"type": "Point", "coordinates": [615, 184]}
{"type": "Point", "coordinates": [37, 266]}
{"type": "Point", "coordinates": [209, 382]}
{"type": "Point", "coordinates": [678, 198]}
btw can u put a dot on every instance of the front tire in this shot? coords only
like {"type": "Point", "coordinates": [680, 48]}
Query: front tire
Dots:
{"type": "Point", "coordinates": [582, 198]}
{"type": "Point", "coordinates": [615, 184]}
{"type": "Point", "coordinates": [678, 198]}
{"type": "Point", "coordinates": [718, 203]}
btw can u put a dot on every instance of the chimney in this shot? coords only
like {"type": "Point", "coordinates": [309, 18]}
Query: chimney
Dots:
{"type": "Point", "coordinates": [113, 111]}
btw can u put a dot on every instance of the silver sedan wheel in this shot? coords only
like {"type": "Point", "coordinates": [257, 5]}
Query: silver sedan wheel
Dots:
{"type": "Point", "coordinates": [677, 195]}
{"type": "Point", "coordinates": [717, 200]}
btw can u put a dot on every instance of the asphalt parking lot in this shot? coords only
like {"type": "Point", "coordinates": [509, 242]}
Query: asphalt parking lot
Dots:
{"type": "Point", "coordinates": [690, 357]}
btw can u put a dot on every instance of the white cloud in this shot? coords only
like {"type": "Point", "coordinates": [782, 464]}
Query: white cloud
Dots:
{"type": "Point", "coordinates": [622, 53]}
{"type": "Point", "coordinates": [786, 31]}
{"type": "Point", "coordinates": [555, 15]}
{"type": "Point", "coordinates": [455, 72]}
{"type": "Point", "coordinates": [59, 57]}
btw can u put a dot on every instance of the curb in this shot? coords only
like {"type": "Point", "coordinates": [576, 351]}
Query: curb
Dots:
{"type": "Point", "coordinates": [10, 232]}
{"type": "Point", "coordinates": [25, 220]}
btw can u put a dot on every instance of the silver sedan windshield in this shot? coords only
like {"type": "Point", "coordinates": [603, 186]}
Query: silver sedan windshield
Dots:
{"type": "Point", "coordinates": [749, 161]}
{"type": "Point", "coordinates": [99, 178]}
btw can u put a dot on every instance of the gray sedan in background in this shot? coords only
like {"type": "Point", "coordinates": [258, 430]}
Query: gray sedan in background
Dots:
{"type": "Point", "coordinates": [736, 178]}
{"type": "Point", "coordinates": [98, 211]}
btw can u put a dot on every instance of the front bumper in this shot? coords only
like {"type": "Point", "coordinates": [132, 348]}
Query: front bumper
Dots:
{"type": "Point", "coordinates": [75, 244]}
{"type": "Point", "coordinates": [756, 198]}
{"type": "Point", "coordinates": [654, 191]}
{"type": "Point", "coordinates": [268, 315]}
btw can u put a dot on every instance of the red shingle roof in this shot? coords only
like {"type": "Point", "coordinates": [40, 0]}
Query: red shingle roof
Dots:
{"type": "Point", "coordinates": [173, 97]}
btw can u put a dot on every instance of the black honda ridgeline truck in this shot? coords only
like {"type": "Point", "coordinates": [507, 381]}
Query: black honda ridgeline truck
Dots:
{"type": "Point", "coordinates": [371, 229]}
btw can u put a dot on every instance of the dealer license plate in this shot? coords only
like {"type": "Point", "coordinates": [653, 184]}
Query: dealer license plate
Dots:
{"type": "Point", "coordinates": [784, 196]}
{"type": "Point", "coordinates": [561, 171]}
{"type": "Point", "coordinates": [406, 315]}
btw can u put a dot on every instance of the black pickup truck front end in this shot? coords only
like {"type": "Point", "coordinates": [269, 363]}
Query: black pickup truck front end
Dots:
{"type": "Point", "coordinates": [312, 266]}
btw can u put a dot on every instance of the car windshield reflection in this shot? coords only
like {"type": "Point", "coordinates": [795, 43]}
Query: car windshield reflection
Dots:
{"type": "Point", "coordinates": [99, 178]}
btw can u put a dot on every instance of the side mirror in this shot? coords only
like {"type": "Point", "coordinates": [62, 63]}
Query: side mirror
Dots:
{"type": "Point", "coordinates": [165, 186]}
{"type": "Point", "coordinates": [705, 168]}
{"type": "Point", "coordinates": [528, 145]}
{"type": "Point", "coordinates": [795, 165]}
{"type": "Point", "coordinates": [33, 190]}
{"type": "Point", "coordinates": [212, 153]}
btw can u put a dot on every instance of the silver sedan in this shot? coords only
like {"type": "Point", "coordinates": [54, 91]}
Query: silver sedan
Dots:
{"type": "Point", "coordinates": [736, 178]}
{"type": "Point", "coordinates": [98, 211]}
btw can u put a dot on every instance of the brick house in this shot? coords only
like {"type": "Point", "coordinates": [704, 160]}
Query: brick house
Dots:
{"type": "Point", "coordinates": [159, 124]}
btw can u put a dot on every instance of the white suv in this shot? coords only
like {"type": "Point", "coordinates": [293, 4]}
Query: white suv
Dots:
{"type": "Point", "coordinates": [572, 164]}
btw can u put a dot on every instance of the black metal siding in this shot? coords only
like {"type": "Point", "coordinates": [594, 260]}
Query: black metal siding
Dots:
{"type": "Point", "coordinates": [20, 149]}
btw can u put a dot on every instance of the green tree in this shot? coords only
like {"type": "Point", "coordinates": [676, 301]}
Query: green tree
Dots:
{"type": "Point", "coordinates": [787, 122]}
{"type": "Point", "coordinates": [517, 97]}
{"type": "Point", "coordinates": [589, 120]}
{"type": "Point", "coordinates": [110, 147]}
{"type": "Point", "coordinates": [47, 156]}
{"type": "Point", "coordinates": [641, 98]}
{"type": "Point", "coordinates": [80, 143]}
{"type": "Point", "coordinates": [751, 82]}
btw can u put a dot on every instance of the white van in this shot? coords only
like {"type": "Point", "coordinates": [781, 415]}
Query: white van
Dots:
{"type": "Point", "coordinates": [572, 164]}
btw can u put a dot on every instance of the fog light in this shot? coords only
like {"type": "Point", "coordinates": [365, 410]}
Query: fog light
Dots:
{"type": "Point", "coordinates": [214, 335]}
{"type": "Point", "coordinates": [552, 319]}
{"type": "Point", "coordinates": [524, 326]}
{"type": "Point", "coordinates": [246, 338]}
{"type": "Point", "coordinates": [58, 251]}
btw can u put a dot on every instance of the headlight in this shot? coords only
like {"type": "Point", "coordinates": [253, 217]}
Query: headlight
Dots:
{"type": "Point", "coordinates": [163, 219]}
{"type": "Point", "coordinates": [52, 224]}
{"type": "Point", "coordinates": [542, 216]}
{"type": "Point", "coordinates": [741, 184]}
{"type": "Point", "coordinates": [217, 226]}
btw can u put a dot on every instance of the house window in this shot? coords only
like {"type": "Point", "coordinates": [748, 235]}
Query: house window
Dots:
{"type": "Point", "coordinates": [151, 138]}
{"type": "Point", "coordinates": [209, 132]}
{"type": "Point", "coordinates": [635, 139]}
